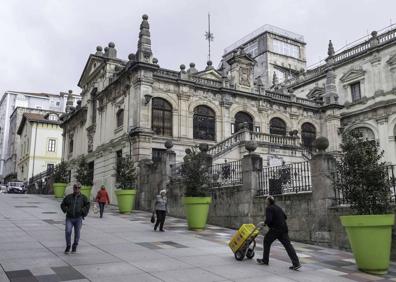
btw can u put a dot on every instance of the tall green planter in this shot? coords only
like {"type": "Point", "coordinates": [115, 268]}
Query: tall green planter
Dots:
{"type": "Point", "coordinates": [197, 209]}
{"type": "Point", "coordinates": [370, 237]}
{"type": "Point", "coordinates": [125, 199]}
{"type": "Point", "coordinates": [86, 190]}
{"type": "Point", "coordinates": [59, 189]}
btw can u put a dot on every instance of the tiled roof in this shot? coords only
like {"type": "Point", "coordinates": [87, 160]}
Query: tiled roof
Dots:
{"type": "Point", "coordinates": [35, 118]}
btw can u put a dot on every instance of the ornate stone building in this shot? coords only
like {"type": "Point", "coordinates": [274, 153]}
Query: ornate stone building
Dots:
{"type": "Point", "coordinates": [133, 106]}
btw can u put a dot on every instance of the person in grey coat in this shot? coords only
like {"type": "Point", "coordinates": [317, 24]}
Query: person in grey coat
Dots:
{"type": "Point", "coordinates": [160, 209]}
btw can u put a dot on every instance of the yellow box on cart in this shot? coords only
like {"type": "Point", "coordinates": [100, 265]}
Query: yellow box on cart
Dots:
{"type": "Point", "coordinates": [242, 235]}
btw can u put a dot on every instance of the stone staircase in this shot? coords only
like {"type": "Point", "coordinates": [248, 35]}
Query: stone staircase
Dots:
{"type": "Point", "coordinates": [262, 139]}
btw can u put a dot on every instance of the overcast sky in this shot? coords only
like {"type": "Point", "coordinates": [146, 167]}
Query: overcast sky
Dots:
{"type": "Point", "coordinates": [45, 44]}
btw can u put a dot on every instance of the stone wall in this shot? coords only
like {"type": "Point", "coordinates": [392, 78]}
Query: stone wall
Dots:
{"type": "Point", "coordinates": [312, 216]}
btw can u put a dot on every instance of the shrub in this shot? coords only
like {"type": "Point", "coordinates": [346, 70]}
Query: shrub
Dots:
{"type": "Point", "coordinates": [196, 173]}
{"type": "Point", "coordinates": [126, 173]}
{"type": "Point", "coordinates": [84, 173]}
{"type": "Point", "coordinates": [362, 175]}
{"type": "Point", "coordinates": [61, 173]}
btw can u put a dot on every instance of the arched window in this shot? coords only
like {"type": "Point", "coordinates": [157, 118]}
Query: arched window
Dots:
{"type": "Point", "coordinates": [308, 134]}
{"type": "Point", "coordinates": [365, 132]}
{"type": "Point", "coordinates": [161, 117]}
{"type": "Point", "coordinates": [243, 119]}
{"type": "Point", "coordinates": [277, 126]}
{"type": "Point", "coordinates": [204, 123]}
{"type": "Point", "coordinates": [120, 118]}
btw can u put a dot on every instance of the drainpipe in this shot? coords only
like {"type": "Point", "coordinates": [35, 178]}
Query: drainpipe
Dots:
{"type": "Point", "coordinates": [34, 150]}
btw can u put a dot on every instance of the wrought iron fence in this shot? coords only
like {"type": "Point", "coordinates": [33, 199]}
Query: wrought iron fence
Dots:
{"type": "Point", "coordinates": [390, 176]}
{"type": "Point", "coordinates": [285, 179]}
{"type": "Point", "coordinates": [226, 174]}
{"type": "Point", "coordinates": [42, 183]}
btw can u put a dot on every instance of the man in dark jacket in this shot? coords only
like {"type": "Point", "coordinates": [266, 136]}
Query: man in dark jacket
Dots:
{"type": "Point", "coordinates": [76, 207]}
{"type": "Point", "coordinates": [275, 219]}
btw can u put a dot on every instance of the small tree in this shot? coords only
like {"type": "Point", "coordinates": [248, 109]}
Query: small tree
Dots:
{"type": "Point", "coordinates": [362, 175]}
{"type": "Point", "coordinates": [126, 173]}
{"type": "Point", "coordinates": [196, 173]}
{"type": "Point", "coordinates": [84, 173]}
{"type": "Point", "coordinates": [61, 173]}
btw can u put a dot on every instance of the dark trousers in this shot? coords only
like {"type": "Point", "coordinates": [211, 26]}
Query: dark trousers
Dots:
{"type": "Point", "coordinates": [101, 208]}
{"type": "Point", "coordinates": [160, 219]}
{"type": "Point", "coordinates": [71, 223]}
{"type": "Point", "coordinates": [283, 237]}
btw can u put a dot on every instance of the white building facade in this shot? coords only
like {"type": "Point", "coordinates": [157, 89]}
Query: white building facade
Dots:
{"type": "Point", "coordinates": [12, 105]}
{"type": "Point", "coordinates": [40, 144]}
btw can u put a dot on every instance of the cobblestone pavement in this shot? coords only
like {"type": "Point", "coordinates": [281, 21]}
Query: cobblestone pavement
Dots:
{"type": "Point", "coordinates": [125, 248]}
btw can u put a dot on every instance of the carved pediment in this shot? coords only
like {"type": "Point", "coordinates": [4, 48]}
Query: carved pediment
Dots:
{"type": "Point", "coordinates": [93, 64]}
{"type": "Point", "coordinates": [315, 92]}
{"type": "Point", "coordinates": [352, 75]}
{"type": "Point", "coordinates": [210, 74]}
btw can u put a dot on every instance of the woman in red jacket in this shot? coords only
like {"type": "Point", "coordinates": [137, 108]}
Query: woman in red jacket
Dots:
{"type": "Point", "coordinates": [102, 198]}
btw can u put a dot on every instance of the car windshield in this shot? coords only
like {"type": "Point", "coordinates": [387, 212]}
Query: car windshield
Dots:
{"type": "Point", "coordinates": [16, 184]}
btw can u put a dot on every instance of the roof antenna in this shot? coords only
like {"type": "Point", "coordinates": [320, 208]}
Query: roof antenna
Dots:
{"type": "Point", "coordinates": [209, 36]}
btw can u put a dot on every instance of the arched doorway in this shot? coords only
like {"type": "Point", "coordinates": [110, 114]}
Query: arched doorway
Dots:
{"type": "Point", "coordinates": [243, 119]}
{"type": "Point", "coordinates": [204, 123]}
{"type": "Point", "coordinates": [277, 126]}
{"type": "Point", "coordinates": [308, 134]}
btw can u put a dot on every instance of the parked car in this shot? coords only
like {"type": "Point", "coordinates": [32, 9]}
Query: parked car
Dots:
{"type": "Point", "coordinates": [16, 187]}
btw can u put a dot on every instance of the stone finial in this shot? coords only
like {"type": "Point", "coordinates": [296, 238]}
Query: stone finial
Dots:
{"type": "Point", "coordinates": [112, 52]}
{"type": "Point", "coordinates": [131, 57]}
{"type": "Point", "coordinates": [144, 53]}
{"type": "Point", "coordinates": [330, 49]}
{"type": "Point", "coordinates": [69, 101]}
{"type": "Point", "coordinates": [155, 61]}
{"type": "Point", "coordinates": [374, 39]}
{"type": "Point", "coordinates": [182, 68]}
{"type": "Point", "coordinates": [251, 146]}
{"type": "Point", "coordinates": [321, 143]}
{"type": "Point", "coordinates": [106, 51]}
{"type": "Point", "coordinates": [192, 69]}
{"type": "Point", "coordinates": [99, 51]}
{"type": "Point", "coordinates": [168, 144]}
{"type": "Point", "coordinates": [209, 65]}
{"type": "Point", "coordinates": [275, 80]}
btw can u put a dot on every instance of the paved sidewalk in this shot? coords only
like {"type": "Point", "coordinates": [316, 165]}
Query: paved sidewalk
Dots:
{"type": "Point", "coordinates": [125, 248]}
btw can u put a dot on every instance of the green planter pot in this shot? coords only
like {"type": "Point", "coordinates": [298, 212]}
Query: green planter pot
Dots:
{"type": "Point", "coordinates": [197, 209]}
{"type": "Point", "coordinates": [86, 190]}
{"type": "Point", "coordinates": [59, 189]}
{"type": "Point", "coordinates": [125, 199]}
{"type": "Point", "coordinates": [370, 237]}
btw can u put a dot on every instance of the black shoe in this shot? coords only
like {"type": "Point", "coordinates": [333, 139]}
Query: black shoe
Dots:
{"type": "Point", "coordinates": [67, 250]}
{"type": "Point", "coordinates": [295, 267]}
{"type": "Point", "coordinates": [155, 228]}
{"type": "Point", "coordinates": [74, 249]}
{"type": "Point", "coordinates": [260, 261]}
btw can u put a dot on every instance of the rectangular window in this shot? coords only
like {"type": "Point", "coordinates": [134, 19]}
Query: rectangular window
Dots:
{"type": "Point", "coordinates": [157, 154]}
{"type": "Point", "coordinates": [51, 145]}
{"type": "Point", "coordinates": [355, 92]}
{"type": "Point", "coordinates": [286, 49]}
{"type": "Point", "coordinates": [50, 167]}
{"type": "Point", "coordinates": [257, 128]}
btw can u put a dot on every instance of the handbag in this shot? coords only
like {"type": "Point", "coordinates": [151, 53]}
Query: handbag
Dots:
{"type": "Point", "coordinates": [95, 208]}
{"type": "Point", "coordinates": [152, 218]}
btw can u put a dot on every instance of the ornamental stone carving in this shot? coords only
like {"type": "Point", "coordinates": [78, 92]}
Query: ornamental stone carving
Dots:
{"type": "Point", "coordinates": [244, 76]}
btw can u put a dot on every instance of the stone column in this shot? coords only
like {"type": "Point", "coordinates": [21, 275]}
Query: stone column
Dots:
{"type": "Point", "coordinates": [251, 165]}
{"type": "Point", "coordinates": [322, 169]}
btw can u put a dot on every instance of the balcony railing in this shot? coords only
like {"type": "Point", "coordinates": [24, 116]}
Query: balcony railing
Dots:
{"type": "Point", "coordinates": [286, 179]}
